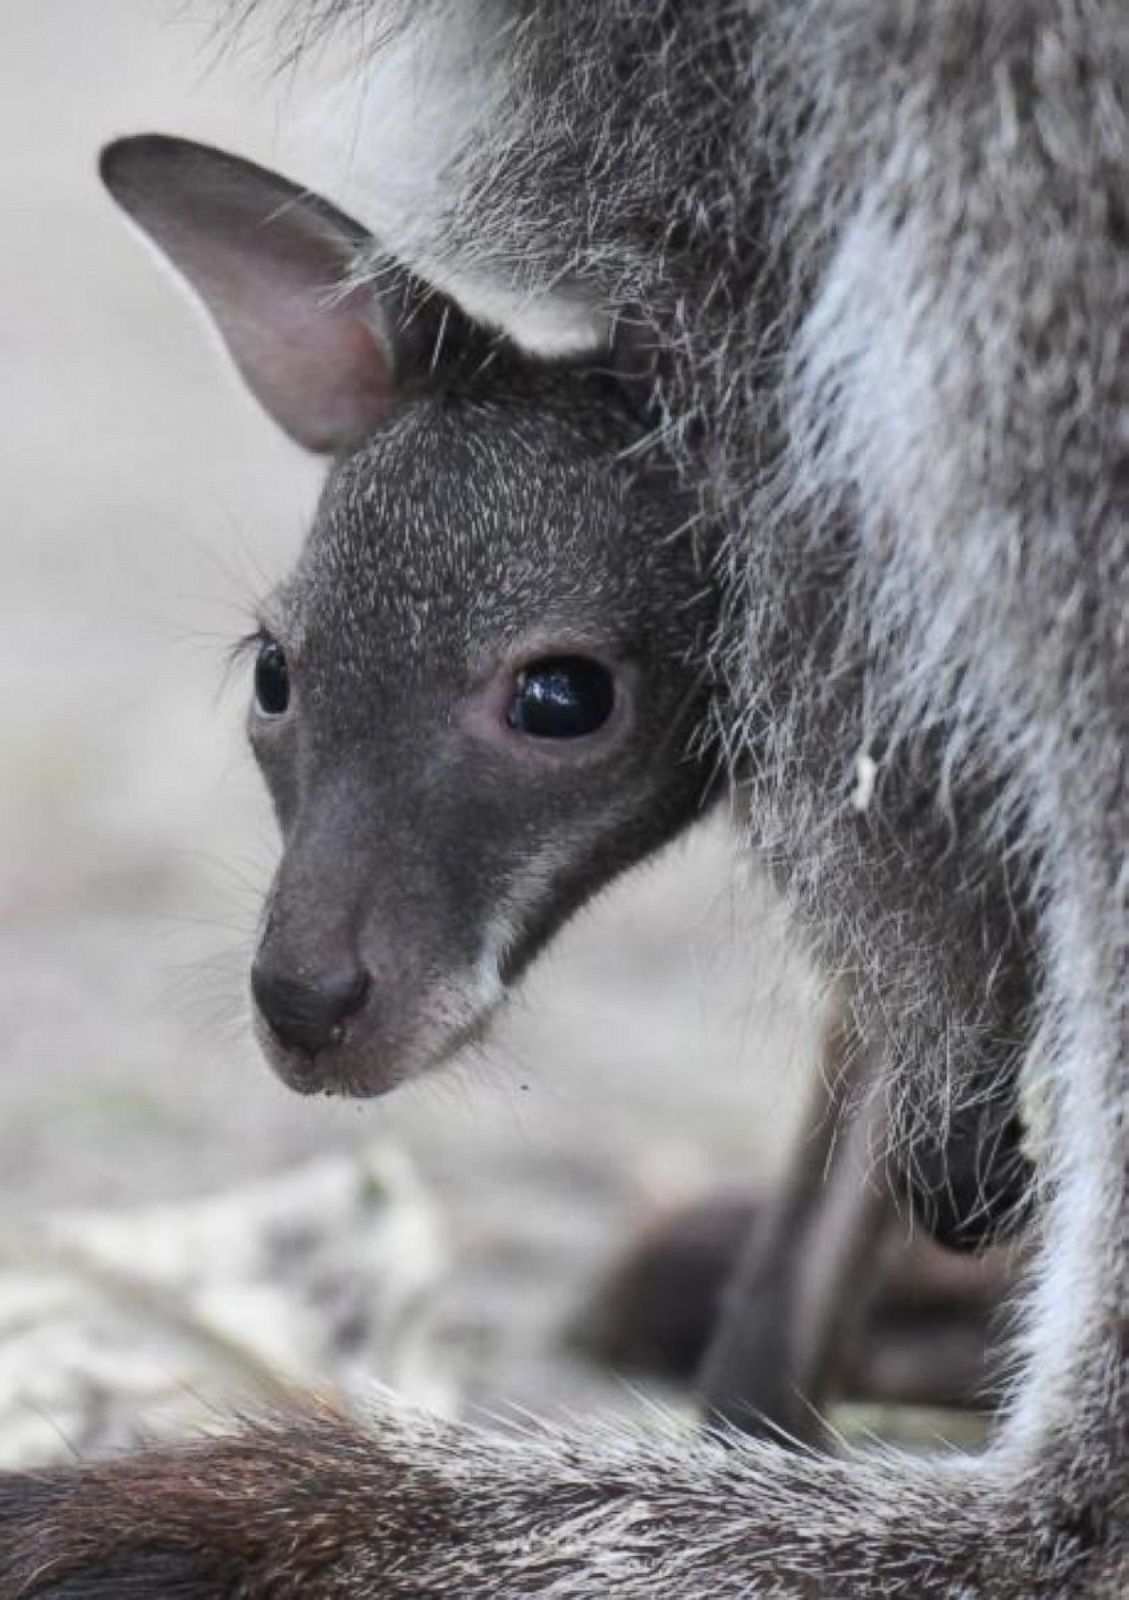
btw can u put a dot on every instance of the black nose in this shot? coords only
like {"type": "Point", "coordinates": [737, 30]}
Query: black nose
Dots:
{"type": "Point", "coordinates": [308, 1012]}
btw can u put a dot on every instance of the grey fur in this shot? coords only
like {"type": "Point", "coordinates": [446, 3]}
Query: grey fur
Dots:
{"type": "Point", "coordinates": [882, 249]}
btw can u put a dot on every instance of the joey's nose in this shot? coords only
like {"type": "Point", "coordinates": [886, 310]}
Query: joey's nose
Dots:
{"type": "Point", "coordinates": [308, 1012]}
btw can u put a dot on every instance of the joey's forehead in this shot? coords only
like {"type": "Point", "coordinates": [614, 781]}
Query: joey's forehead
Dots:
{"type": "Point", "coordinates": [472, 547]}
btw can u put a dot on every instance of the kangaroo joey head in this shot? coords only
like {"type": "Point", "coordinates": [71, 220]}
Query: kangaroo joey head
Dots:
{"type": "Point", "coordinates": [481, 694]}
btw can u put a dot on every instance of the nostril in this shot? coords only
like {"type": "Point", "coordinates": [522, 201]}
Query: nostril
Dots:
{"type": "Point", "coordinates": [348, 996]}
{"type": "Point", "coordinates": [309, 1012]}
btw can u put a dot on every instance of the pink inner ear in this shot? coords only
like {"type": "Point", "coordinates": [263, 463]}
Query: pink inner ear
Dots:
{"type": "Point", "coordinates": [320, 366]}
{"type": "Point", "coordinates": [319, 361]}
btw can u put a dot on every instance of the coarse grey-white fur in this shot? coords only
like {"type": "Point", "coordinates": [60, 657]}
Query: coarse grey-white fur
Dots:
{"type": "Point", "coordinates": [882, 249]}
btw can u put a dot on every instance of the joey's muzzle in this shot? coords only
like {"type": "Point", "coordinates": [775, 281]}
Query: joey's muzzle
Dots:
{"type": "Point", "coordinates": [358, 983]}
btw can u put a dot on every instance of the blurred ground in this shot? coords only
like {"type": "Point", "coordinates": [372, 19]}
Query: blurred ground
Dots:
{"type": "Point", "coordinates": [144, 503]}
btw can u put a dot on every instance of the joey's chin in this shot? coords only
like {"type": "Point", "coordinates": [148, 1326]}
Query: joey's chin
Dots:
{"type": "Point", "coordinates": [363, 1068]}
{"type": "Point", "coordinates": [349, 1069]}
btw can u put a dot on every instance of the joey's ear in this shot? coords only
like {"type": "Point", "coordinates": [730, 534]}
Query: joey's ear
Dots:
{"type": "Point", "coordinates": [272, 265]}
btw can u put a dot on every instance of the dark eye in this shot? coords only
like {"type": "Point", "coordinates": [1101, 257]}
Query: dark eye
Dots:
{"type": "Point", "coordinates": [272, 679]}
{"type": "Point", "coordinates": [562, 697]}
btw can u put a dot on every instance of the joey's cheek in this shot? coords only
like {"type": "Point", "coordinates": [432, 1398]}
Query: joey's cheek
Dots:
{"type": "Point", "coordinates": [284, 801]}
{"type": "Point", "coordinates": [276, 767]}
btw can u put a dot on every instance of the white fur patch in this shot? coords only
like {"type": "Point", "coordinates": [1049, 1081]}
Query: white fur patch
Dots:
{"type": "Point", "coordinates": [557, 324]}
{"type": "Point", "coordinates": [866, 779]}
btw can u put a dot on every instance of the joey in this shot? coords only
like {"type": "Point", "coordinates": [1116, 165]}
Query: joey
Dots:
{"type": "Point", "coordinates": [488, 686]}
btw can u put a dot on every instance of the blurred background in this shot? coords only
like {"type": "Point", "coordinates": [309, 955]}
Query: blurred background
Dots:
{"type": "Point", "coordinates": [658, 1050]}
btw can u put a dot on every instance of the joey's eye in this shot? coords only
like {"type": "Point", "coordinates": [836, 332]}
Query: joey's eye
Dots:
{"type": "Point", "coordinates": [272, 679]}
{"type": "Point", "coordinates": [561, 697]}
